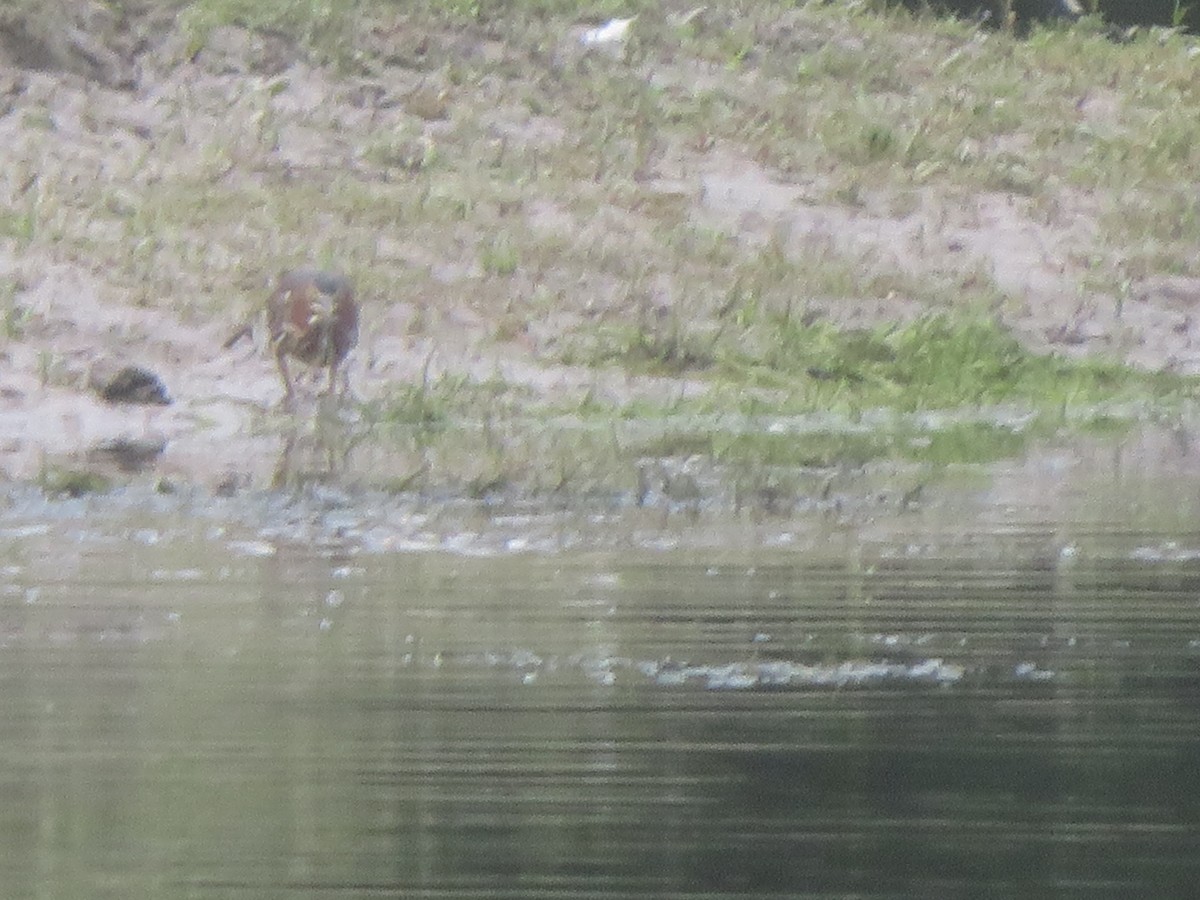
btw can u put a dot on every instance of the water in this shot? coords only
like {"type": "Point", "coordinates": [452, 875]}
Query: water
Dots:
{"type": "Point", "coordinates": [992, 696]}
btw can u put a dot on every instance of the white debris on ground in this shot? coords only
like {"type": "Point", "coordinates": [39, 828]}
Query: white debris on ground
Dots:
{"type": "Point", "coordinates": [614, 31]}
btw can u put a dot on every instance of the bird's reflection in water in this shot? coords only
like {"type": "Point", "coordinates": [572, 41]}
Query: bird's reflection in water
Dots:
{"type": "Point", "coordinates": [316, 450]}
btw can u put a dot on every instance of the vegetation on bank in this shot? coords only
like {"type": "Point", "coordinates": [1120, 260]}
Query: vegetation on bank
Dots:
{"type": "Point", "coordinates": [554, 172]}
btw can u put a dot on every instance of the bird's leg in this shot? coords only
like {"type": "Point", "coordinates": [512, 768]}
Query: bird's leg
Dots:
{"type": "Point", "coordinates": [331, 387]}
{"type": "Point", "coordinates": [244, 330]}
{"type": "Point", "coordinates": [281, 362]}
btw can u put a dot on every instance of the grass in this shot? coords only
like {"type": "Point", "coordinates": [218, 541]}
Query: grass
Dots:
{"type": "Point", "coordinates": [435, 404]}
{"type": "Point", "coordinates": [67, 482]}
{"type": "Point", "coordinates": [14, 318]}
{"type": "Point", "coordinates": [324, 26]}
{"type": "Point", "coordinates": [939, 361]}
{"type": "Point", "coordinates": [764, 446]}
{"type": "Point", "coordinates": [503, 173]}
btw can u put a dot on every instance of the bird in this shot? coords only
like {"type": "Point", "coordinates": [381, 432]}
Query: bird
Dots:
{"type": "Point", "coordinates": [312, 315]}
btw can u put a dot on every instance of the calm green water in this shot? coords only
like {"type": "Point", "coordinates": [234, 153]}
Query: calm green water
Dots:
{"type": "Point", "coordinates": [972, 700]}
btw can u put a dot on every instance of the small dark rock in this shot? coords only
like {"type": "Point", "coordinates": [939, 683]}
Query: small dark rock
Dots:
{"type": "Point", "coordinates": [133, 384]}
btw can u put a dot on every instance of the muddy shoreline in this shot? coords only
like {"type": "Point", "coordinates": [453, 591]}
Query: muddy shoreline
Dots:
{"type": "Point", "coordinates": [95, 271]}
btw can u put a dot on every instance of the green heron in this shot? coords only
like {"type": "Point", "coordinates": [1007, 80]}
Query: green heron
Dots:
{"type": "Point", "coordinates": [313, 316]}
